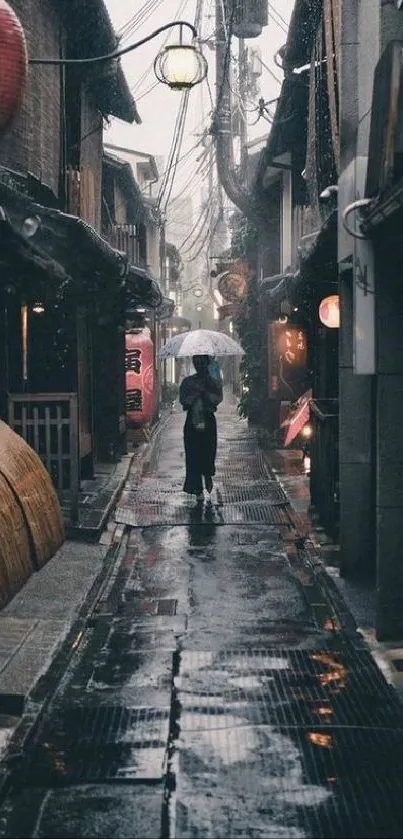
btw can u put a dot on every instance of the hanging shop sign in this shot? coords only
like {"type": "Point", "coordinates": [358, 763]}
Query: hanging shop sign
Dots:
{"type": "Point", "coordinates": [329, 311]}
{"type": "Point", "coordinates": [230, 310]}
{"type": "Point", "coordinates": [140, 380]}
{"type": "Point", "coordinates": [287, 357]}
{"type": "Point", "coordinates": [233, 283]}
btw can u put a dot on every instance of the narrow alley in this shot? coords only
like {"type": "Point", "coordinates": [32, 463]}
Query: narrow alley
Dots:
{"type": "Point", "coordinates": [220, 688]}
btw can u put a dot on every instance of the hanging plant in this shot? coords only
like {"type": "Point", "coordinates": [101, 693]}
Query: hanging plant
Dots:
{"type": "Point", "coordinates": [244, 242]}
{"type": "Point", "coordinates": [253, 372]}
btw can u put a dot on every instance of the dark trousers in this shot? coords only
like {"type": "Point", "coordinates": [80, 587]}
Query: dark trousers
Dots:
{"type": "Point", "coordinates": [200, 451]}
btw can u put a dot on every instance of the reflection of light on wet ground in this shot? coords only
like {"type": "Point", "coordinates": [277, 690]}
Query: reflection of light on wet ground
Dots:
{"type": "Point", "coordinates": [330, 625]}
{"type": "Point", "coordinates": [304, 796]}
{"type": "Point", "coordinates": [5, 734]}
{"type": "Point", "coordinates": [217, 738]}
{"type": "Point", "coordinates": [245, 682]}
{"type": "Point", "coordinates": [318, 739]}
{"type": "Point", "coordinates": [337, 673]}
{"type": "Point", "coordinates": [323, 711]}
{"type": "Point", "coordinates": [268, 663]}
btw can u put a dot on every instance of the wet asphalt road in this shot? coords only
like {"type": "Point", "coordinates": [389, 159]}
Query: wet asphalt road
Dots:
{"type": "Point", "coordinates": [218, 690]}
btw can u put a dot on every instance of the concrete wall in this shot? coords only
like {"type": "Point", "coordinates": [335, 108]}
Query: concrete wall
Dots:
{"type": "Point", "coordinates": [360, 44]}
{"type": "Point", "coordinates": [389, 401]}
{"type": "Point", "coordinates": [371, 406]}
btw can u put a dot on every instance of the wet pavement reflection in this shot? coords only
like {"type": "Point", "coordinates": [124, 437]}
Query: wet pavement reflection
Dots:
{"type": "Point", "coordinates": [216, 691]}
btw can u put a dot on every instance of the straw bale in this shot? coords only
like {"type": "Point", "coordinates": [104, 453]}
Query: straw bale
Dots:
{"type": "Point", "coordinates": [15, 545]}
{"type": "Point", "coordinates": [32, 485]}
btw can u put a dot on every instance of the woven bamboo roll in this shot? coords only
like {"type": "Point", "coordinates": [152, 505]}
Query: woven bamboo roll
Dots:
{"type": "Point", "coordinates": [15, 546]}
{"type": "Point", "coordinates": [32, 485]}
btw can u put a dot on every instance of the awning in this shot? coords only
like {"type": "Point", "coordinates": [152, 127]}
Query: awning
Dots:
{"type": "Point", "coordinates": [318, 250]}
{"type": "Point", "coordinates": [68, 251]}
{"type": "Point", "coordinates": [21, 259]}
{"type": "Point", "coordinates": [165, 309]}
{"type": "Point", "coordinates": [304, 21]}
{"type": "Point", "coordinates": [279, 286]}
{"type": "Point", "coordinates": [142, 289]}
{"type": "Point", "coordinates": [289, 129]}
{"type": "Point", "coordinates": [74, 248]}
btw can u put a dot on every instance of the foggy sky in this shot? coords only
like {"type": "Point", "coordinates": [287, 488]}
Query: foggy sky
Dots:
{"type": "Point", "coordinates": [158, 108]}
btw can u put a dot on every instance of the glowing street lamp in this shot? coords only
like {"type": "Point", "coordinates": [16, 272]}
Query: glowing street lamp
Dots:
{"type": "Point", "coordinates": [180, 66]}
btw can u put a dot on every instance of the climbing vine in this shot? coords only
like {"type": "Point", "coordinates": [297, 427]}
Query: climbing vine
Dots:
{"type": "Point", "coordinates": [244, 243]}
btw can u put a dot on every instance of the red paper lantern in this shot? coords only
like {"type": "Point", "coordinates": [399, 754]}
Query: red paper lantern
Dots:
{"type": "Point", "coordinates": [13, 65]}
{"type": "Point", "coordinates": [329, 311]}
{"type": "Point", "coordinates": [140, 380]}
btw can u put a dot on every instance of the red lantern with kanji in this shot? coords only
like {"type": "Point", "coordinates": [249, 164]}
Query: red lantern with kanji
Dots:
{"type": "Point", "coordinates": [140, 380]}
{"type": "Point", "coordinates": [13, 65]}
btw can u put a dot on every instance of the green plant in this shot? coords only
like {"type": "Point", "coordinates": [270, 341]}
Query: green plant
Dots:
{"type": "Point", "coordinates": [253, 371]}
{"type": "Point", "coordinates": [267, 440]}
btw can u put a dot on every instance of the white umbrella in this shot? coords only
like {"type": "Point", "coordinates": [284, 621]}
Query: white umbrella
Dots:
{"type": "Point", "coordinates": [200, 342]}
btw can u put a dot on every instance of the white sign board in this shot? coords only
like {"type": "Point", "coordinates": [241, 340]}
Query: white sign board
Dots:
{"type": "Point", "coordinates": [359, 253]}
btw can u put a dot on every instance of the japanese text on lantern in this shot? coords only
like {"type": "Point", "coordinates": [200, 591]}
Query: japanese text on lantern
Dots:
{"type": "Point", "coordinates": [287, 348]}
{"type": "Point", "coordinates": [134, 396]}
{"type": "Point", "coordinates": [133, 361]}
{"type": "Point", "coordinates": [139, 364]}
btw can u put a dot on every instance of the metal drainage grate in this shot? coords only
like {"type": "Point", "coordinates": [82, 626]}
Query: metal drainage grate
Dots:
{"type": "Point", "coordinates": [94, 744]}
{"type": "Point", "coordinates": [269, 491]}
{"type": "Point", "coordinates": [298, 743]}
{"type": "Point", "coordinates": [255, 513]}
{"type": "Point", "coordinates": [290, 687]}
{"type": "Point", "coordinates": [148, 514]}
{"type": "Point", "coordinates": [290, 783]}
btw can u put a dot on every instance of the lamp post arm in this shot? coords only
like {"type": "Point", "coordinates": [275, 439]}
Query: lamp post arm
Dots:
{"type": "Point", "coordinates": [117, 53]}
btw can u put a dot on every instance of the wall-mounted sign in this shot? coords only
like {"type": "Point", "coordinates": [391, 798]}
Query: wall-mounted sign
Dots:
{"type": "Point", "coordinates": [233, 282]}
{"type": "Point", "coordinates": [287, 371]}
{"type": "Point", "coordinates": [329, 311]}
{"type": "Point", "coordinates": [230, 310]}
{"type": "Point", "coordinates": [139, 364]}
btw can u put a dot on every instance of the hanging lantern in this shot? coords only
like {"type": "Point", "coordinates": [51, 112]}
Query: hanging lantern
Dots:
{"type": "Point", "coordinates": [13, 65]}
{"type": "Point", "coordinates": [180, 66]}
{"type": "Point", "coordinates": [329, 311]}
{"type": "Point", "coordinates": [140, 378]}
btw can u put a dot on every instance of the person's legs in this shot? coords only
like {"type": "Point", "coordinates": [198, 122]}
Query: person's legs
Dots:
{"type": "Point", "coordinates": [209, 453]}
{"type": "Point", "coordinates": [193, 481]}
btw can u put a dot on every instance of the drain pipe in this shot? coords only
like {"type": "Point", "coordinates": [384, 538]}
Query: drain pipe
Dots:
{"type": "Point", "coordinates": [221, 128]}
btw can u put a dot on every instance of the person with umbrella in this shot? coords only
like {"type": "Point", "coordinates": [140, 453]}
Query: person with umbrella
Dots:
{"type": "Point", "coordinates": [199, 395]}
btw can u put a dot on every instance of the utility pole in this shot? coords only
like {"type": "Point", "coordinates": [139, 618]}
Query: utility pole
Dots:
{"type": "Point", "coordinates": [163, 281]}
{"type": "Point", "coordinates": [210, 193]}
{"type": "Point", "coordinates": [223, 115]}
{"type": "Point", "coordinates": [243, 128]}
